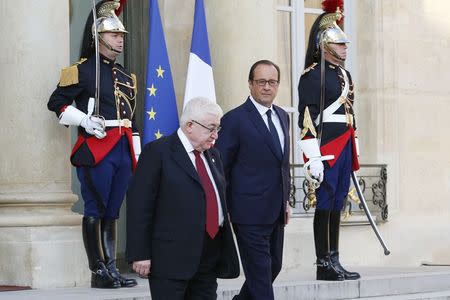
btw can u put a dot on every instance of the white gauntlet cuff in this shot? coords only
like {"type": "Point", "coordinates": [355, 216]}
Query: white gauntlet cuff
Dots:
{"type": "Point", "coordinates": [357, 146]}
{"type": "Point", "coordinates": [136, 145]}
{"type": "Point", "coordinates": [310, 148]}
{"type": "Point", "coordinates": [71, 116]}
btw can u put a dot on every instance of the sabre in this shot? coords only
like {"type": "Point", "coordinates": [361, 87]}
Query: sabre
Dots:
{"type": "Point", "coordinates": [322, 87]}
{"type": "Point", "coordinates": [315, 182]}
{"type": "Point", "coordinates": [97, 62]}
{"type": "Point", "coordinates": [367, 212]}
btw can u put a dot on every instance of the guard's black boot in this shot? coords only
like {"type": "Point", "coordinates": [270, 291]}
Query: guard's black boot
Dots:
{"type": "Point", "coordinates": [325, 269]}
{"type": "Point", "coordinates": [334, 257]}
{"type": "Point", "coordinates": [109, 237]}
{"type": "Point", "coordinates": [100, 277]}
{"type": "Point", "coordinates": [335, 221]}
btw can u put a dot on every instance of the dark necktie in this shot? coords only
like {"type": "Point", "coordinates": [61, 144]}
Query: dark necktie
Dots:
{"type": "Point", "coordinates": [274, 133]}
{"type": "Point", "coordinates": [212, 212]}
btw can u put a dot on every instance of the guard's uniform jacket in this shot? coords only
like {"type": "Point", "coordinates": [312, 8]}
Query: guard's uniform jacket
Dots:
{"type": "Point", "coordinates": [338, 120]}
{"type": "Point", "coordinates": [117, 104]}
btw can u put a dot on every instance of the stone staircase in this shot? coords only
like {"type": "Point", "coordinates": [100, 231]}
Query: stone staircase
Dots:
{"type": "Point", "coordinates": [376, 283]}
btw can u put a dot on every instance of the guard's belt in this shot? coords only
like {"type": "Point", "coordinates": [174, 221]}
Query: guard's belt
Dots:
{"type": "Point", "coordinates": [118, 123]}
{"type": "Point", "coordinates": [335, 118]}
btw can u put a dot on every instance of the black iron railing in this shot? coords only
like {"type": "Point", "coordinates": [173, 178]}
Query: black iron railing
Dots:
{"type": "Point", "coordinates": [372, 179]}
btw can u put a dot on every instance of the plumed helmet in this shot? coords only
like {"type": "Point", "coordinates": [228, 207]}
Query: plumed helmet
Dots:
{"type": "Point", "coordinates": [107, 20]}
{"type": "Point", "coordinates": [329, 31]}
{"type": "Point", "coordinates": [326, 29]}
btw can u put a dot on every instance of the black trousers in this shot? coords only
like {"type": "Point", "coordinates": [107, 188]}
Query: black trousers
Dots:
{"type": "Point", "coordinates": [261, 249]}
{"type": "Point", "coordinates": [202, 286]}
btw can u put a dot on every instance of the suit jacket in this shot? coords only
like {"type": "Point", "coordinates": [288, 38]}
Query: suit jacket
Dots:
{"type": "Point", "coordinates": [166, 212]}
{"type": "Point", "coordinates": [258, 181]}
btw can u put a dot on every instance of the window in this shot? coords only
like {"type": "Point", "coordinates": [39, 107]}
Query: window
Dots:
{"type": "Point", "coordinates": [295, 18]}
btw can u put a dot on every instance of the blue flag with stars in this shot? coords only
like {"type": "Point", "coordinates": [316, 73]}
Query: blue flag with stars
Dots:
{"type": "Point", "coordinates": [160, 107]}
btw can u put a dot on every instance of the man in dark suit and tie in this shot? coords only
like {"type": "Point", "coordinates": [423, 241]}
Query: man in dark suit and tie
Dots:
{"type": "Point", "coordinates": [178, 232]}
{"type": "Point", "coordinates": [254, 144]}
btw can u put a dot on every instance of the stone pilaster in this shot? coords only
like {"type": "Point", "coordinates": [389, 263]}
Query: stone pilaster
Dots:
{"type": "Point", "coordinates": [40, 237]}
{"type": "Point", "coordinates": [240, 33]}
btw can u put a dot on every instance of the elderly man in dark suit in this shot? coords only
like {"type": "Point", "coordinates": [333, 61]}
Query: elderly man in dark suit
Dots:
{"type": "Point", "coordinates": [254, 144]}
{"type": "Point", "coordinates": [178, 230]}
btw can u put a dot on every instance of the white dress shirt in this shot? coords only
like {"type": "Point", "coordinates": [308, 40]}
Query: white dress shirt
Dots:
{"type": "Point", "coordinates": [275, 119]}
{"type": "Point", "coordinates": [190, 151]}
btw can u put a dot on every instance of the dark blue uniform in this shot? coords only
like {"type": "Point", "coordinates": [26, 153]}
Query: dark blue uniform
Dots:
{"type": "Point", "coordinates": [104, 166]}
{"type": "Point", "coordinates": [338, 139]}
{"type": "Point", "coordinates": [338, 130]}
{"type": "Point", "coordinates": [334, 86]}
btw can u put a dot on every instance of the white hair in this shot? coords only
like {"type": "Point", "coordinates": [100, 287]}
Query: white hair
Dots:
{"type": "Point", "coordinates": [197, 108]}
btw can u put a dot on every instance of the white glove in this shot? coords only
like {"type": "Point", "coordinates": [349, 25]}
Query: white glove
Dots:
{"type": "Point", "coordinates": [74, 116]}
{"type": "Point", "coordinates": [357, 146]}
{"type": "Point", "coordinates": [93, 125]}
{"type": "Point", "coordinates": [136, 145]}
{"type": "Point", "coordinates": [316, 169]}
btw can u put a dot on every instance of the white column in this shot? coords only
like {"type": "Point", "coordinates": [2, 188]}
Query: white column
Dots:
{"type": "Point", "coordinates": [40, 237]}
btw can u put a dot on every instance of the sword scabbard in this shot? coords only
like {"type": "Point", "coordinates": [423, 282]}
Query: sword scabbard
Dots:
{"type": "Point", "coordinates": [367, 212]}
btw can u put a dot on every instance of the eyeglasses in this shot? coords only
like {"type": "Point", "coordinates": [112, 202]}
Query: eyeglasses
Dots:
{"type": "Point", "coordinates": [263, 82]}
{"type": "Point", "coordinates": [211, 129]}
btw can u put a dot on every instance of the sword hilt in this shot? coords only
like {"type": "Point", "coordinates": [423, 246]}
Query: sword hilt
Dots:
{"type": "Point", "coordinates": [315, 182]}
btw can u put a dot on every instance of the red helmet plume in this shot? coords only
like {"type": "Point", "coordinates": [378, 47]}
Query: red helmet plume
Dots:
{"type": "Point", "coordinates": [120, 8]}
{"type": "Point", "coordinates": [330, 6]}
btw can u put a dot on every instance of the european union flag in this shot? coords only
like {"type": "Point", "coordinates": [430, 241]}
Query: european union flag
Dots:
{"type": "Point", "coordinates": [160, 107]}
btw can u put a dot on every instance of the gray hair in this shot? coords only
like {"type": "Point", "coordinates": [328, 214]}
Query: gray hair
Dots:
{"type": "Point", "coordinates": [197, 108]}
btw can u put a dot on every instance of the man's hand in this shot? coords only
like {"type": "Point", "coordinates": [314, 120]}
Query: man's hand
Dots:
{"type": "Point", "coordinates": [316, 169]}
{"type": "Point", "coordinates": [142, 267]}
{"type": "Point", "coordinates": [93, 125]}
{"type": "Point", "coordinates": [288, 213]}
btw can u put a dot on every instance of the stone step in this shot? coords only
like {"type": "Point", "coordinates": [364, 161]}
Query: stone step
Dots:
{"type": "Point", "coordinates": [376, 283]}
{"type": "Point", "coordinates": [382, 286]}
{"type": "Point", "coordinates": [443, 295]}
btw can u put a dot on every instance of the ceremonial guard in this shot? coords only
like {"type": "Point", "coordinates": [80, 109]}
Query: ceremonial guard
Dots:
{"type": "Point", "coordinates": [328, 138]}
{"type": "Point", "coordinates": [108, 144]}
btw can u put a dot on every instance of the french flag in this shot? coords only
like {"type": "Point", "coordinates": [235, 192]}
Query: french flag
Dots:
{"type": "Point", "coordinates": [200, 80]}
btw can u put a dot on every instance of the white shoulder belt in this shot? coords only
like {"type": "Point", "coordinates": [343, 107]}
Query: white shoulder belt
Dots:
{"type": "Point", "coordinates": [328, 113]}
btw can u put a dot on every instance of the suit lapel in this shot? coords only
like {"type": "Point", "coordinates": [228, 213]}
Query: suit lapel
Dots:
{"type": "Point", "coordinates": [261, 126]}
{"type": "Point", "coordinates": [181, 157]}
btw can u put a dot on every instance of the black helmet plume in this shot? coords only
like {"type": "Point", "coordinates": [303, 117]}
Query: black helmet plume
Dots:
{"type": "Point", "coordinates": [313, 50]}
{"type": "Point", "coordinates": [87, 43]}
